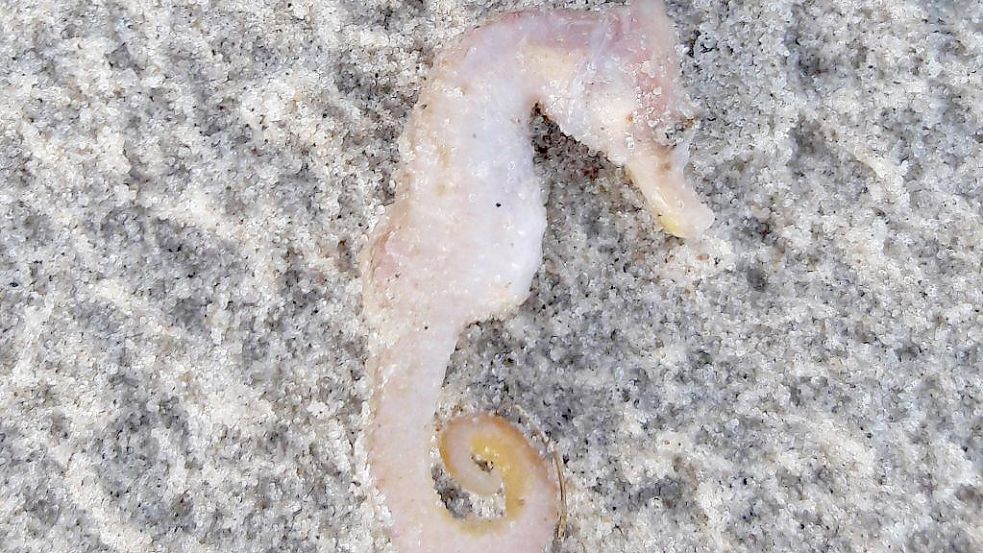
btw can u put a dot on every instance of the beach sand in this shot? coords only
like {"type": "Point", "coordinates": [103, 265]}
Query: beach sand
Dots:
{"type": "Point", "coordinates": [185, 188]}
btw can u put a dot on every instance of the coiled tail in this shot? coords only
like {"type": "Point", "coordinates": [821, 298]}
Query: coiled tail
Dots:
{"type": "Point", "coordinates": [409, 372]}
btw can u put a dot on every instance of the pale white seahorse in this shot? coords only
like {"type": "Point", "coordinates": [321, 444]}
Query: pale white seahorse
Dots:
{"type": "Point", "coordinates": [463, 239]}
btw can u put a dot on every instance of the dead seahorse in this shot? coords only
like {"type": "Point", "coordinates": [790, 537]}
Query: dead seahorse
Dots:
{"type": "Point", "coordinates": [463, 239]}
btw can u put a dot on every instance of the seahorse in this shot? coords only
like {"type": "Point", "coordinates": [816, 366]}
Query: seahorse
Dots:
{"type": "Point", "coordinates": [463, 239]}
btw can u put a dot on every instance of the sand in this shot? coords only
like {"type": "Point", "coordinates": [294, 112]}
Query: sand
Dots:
{"type": "Point", "coordinates": [185, 189]}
